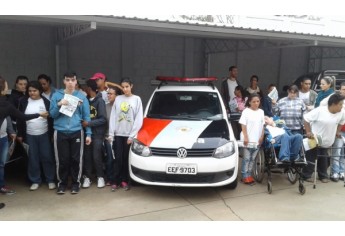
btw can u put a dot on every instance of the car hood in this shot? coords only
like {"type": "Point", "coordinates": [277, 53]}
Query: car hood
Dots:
{"type": "Point", "coordinates": [161, 133]}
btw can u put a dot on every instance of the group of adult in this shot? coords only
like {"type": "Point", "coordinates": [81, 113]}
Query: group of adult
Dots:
{"type": "Point", "coordinates": [304, 112]}
{"type": "Point", "coordinates": [72, 124]}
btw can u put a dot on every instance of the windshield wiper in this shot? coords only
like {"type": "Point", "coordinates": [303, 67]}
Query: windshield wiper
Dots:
{"type": "Point", "coordinates": [160, 116]}
{"type": "Point", "coordinates": [186, 117]}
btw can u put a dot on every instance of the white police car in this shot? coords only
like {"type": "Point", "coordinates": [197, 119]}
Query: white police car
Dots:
{"type": "Point", "coordinates": [186, 139]}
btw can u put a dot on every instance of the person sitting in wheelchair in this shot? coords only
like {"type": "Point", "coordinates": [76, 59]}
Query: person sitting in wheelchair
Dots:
{"type": "Point", "coordinates": [290, 144]}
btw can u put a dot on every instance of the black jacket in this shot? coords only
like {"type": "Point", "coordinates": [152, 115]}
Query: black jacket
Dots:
{"type": "Point", "coordinates": [14, 98]}
{"type": "Point", "coordinates": [21, 125]}
{"type": "Point", "coordinates": [98, 115]}
{"type": "Point", "coordinates": [7, 109]}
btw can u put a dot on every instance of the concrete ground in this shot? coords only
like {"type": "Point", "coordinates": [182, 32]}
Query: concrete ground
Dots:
{"type": "Point", "coordinates": [149, 203]}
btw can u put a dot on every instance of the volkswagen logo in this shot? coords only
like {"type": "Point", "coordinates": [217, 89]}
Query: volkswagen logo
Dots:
{"type": "Point", "coordinates": [181, 153]}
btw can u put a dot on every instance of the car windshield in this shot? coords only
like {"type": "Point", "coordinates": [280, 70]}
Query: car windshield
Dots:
{"type": "Point", "coordinates": [185, 105]}
{"type": "Point", "coordinates": [316, 79]}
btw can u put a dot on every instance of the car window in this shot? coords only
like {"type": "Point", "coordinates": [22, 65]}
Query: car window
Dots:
{"type": "Point", "coordinates": [185, 105]}
{"type": "Point", "coordinates": [338, 75]}
{"type": "Point", "coordinates": [316, 78]}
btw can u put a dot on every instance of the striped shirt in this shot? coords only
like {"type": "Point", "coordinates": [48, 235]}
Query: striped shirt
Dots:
{"type": "Point", "coordinates": [291, 111]}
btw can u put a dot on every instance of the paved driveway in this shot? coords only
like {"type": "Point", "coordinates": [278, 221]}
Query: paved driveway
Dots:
{"type": "Point", "coordinates": [147, 203]}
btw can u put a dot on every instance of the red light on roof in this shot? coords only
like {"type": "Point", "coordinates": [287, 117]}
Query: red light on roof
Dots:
{"type": "Point", "coordinates": [186, 79]}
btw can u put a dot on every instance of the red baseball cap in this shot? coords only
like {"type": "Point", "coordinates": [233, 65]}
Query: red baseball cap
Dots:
{"type": "Point", "coordinates": [98, 75]}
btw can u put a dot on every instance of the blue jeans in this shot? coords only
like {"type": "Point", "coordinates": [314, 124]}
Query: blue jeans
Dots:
{"type": "Point", "coordinates": [40, 151]}
{"type": "Point", "coordinates": [249, 155]}
{"type": "Point", "coordinates": [297, 131]}
{"type": "Point", "coordinates": [337, 160]}
{"type": "Point", "coordinates": [109, 162]}
{"type": "Point", "coordinates": [289, 146]}
{"type": "Point", "coordinates": [3, 159]}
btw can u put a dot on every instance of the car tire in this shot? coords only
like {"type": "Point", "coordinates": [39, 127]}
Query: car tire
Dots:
{"type": "Point", "coordinates": [233, 185]}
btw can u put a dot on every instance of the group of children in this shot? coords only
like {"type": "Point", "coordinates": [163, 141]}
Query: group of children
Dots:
{"type": "Point", "coordinates": [88, 131]}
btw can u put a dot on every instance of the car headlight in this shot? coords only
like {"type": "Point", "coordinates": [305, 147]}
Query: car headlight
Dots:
{"type": "Point", "coordinates": [224, 151]}
{"type": "Point", "coordinates": [140, 149]}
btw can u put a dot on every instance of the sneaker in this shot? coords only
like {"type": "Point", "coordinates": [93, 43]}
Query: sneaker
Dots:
{"type": "Point", "coordinates": [51, 186]}
{"type": "Point", "coordinates": [285, 160]}
{"type": "Point", "coordinates": [61, 190]}
{"type": "Point", "coordinates": [124, 185]}
{"type": "Point", "coordinates": [341, 177]}
{"type": "Point", "coordinates": [310, 180]}
{"type": "Point", "coordinates": [246, 180]}
{"type": "Point", "coordinates": [75, 190]}
{"type": "Point", "coordinates": [251, 179]}
{"type": "Point", "coordinates": [334, 177]}
{"type": "Point", "coordinates": [7, 191]}
{"type": "Point", "coordinates": [299, 159]}
{"type": "Point", "coordinates": [325, 180]}
{"type": "Point", "coordinates": [114, 187]}
{"type": "Point", "coordinates": [100, 182]}
{"type": "Point", "coordinates": [34, 187]}
{"type": "Point", "coordinates": [87, 182]}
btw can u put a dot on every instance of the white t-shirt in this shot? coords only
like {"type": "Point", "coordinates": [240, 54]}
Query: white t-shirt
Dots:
{"type": "Point", "coordinates": [105, 96]}
{"type": "Point", "coordinates": [3, 129]}
{"type": "Point", "coordinates": [325, 123]}
{"type": "Point", "coordinates": [254, 120]}
{"type": "Point", "coordinates": [232, 84]}
{"type": "Point", "coordinates": [39, 125]}
{"type": "Point", "coordinates": [46, 95]}
{"type": "Point", "coordinates": [304, 97]}
{"type": "Point", "coordinates": [250, 90]}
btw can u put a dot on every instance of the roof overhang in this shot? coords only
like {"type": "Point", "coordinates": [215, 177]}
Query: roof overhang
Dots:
{"type": "Point", "coordinates": [176, 28]}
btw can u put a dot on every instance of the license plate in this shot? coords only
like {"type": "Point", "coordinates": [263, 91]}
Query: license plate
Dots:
{"type": "Point", "coordinates": [181, 169]}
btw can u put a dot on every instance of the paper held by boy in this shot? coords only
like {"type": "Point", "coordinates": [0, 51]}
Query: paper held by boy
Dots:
{"type": "Point", "coordinates": [73, 103]}
{"type": "Point", "coordinates": [273, 94]}
{"type": "Point", "coordinates": [310, 143]}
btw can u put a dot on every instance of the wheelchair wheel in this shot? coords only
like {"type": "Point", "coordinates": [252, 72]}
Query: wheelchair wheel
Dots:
{"type": "Point", "coordinates": [259, 166]}
{"type": "Point", "coordinates": [301, 189]}
{"type": "Point", "coordinates": [292, 175]}
{"type": "Point", "coordinates": [269, 187]}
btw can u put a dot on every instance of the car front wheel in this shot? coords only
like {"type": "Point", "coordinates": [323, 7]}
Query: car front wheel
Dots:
{"type": "Point", "coordinates": [233, 185]}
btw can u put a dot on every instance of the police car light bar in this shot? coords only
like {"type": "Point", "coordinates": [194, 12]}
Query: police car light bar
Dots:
{"type": "Point", "coordinates": [185, 79]}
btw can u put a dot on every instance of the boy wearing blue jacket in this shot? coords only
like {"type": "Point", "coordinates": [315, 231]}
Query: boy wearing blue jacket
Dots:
{"type": "Point", "coordinates": [69, 134]}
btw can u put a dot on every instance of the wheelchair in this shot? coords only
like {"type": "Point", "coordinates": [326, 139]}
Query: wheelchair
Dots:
{"type": "Point", "coordinates": [267, 161]}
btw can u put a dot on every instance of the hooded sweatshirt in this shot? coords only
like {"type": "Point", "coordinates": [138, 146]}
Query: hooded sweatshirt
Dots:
{"type": "Point", "coordinates": [64, 123]}
{"type": "Point", "coordinates": [98, 116]}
